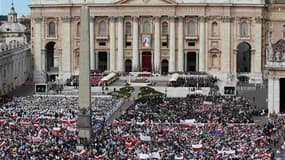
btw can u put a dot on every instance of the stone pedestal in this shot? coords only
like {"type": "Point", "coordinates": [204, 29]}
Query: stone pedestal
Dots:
{"type": "Point", "coordinates": [84, 126]}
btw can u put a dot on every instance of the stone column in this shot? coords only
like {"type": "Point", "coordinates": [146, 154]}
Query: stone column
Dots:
{"type": "Point", "coordinates": [180, 45]}
{"type": "Point", "coordinates": [66, 52]}
{"type": "Point", "coordinates": [270, 99]}
{"type": "Point", "coordinates": [38, 77]}
{"type": "Point", "coordinates": [112, 43]}
{"type": "Point", "coordinates": [84, 122]}
{"type": "Point", "coordinates": [202, 50]}
{"type": "Point", "coordinates": [276, 95]}
{"type": "Point", "coordinates": [273, 95]}
{"type": "Point", "coordinates": [258, 44]}
{"type": "Point", "coordinates": [135, 44]}
{"type": "Point", "coordinates": [172, 45]}
{"type": "Point", "coordinates": [120, 36]}
{"type": "Point", "coordinates": [226, 48]}
{"type": "Point", "coordinates": [157, 44]}
{"type": "Point", "coordinates": [92, 58]}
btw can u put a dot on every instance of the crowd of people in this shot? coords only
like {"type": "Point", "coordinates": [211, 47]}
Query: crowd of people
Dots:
{"type": "Point", "coordinates": [194, 81]}
{"type": "Point", "coordinates": [44, 127]}
{"type": "Point", "coordinates": [196, 127]}
{"type": "Point", "coordinates": [102, 108]}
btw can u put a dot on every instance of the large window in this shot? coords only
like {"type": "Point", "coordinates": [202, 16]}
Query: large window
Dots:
{"type": "Point", "coordinates": [128, 28]}
{"type": "Point", "coordinates": [215, 31]}
{"type": "Point", "coordinates": [191, 28]}
{"type": "Point", "coordinates": [164, 28]}
{"type": "Point", "coordinates": [243, 29]}
{"type": "Point", "coordinates": [51, 28]}
{"type": "Point", "coordinates": [102, 28]}
{"type": "Point", "coordinates": [78, 29]}
{"type": "Point", "coordinates": [146, 27]}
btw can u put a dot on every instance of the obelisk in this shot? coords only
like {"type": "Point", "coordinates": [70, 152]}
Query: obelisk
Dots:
{"type": "Point", "coordinates": [84, 117]}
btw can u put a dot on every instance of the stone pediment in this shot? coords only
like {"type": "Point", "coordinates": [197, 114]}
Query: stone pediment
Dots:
{"type": "Point", "coordinates": [145, 2]}
{"type": "Point", "coordinates": [276, 52]}
{"type": "Point", "coordinates": [279, 46]}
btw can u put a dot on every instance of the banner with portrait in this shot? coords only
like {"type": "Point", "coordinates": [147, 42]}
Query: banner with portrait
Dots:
{"type": "Point", "coordinates": [146, 41]}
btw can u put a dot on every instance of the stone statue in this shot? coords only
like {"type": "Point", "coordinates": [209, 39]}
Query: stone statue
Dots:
{"type": "Point", "coordinates": [269, 52]}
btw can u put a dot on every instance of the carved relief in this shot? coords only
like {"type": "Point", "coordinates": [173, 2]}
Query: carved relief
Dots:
{"type": "Point", "coordinates": [38, 19]}
{"type": "Point", "coordinates": [66, 19]}
{"type": "Point", "coordinates": [277, 51]}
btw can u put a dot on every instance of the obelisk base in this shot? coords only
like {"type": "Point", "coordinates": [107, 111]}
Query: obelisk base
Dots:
{"type": "Point", "coordinates": [84, 126]}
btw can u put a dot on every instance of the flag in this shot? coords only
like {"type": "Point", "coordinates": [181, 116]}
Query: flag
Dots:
{"type": "Point", "coordinates": [83, 152]}
{"type": "Point", "coordinates": [12, 125]}
{"type": "Point", "coordinates": [197, 147]}
{"type": "Point", "coordinates": [3, 144]}
{"type": "Point", "coordinates": [37, 139]}
{"type": "Point", "coordinates": [2, 121]}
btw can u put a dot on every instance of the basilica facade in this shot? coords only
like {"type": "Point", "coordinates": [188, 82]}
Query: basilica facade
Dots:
{"type": "Point", "coordinates": [221, 37]}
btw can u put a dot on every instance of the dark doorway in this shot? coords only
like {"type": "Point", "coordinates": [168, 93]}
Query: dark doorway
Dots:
{"type": "Point", "coordinates": [102, 61]}
{"type": "Point", "coordinates": [243, 58]}
{"type": "Point", "coordinates": [282, 95]}
{"type": "Point", "coordinates": [164, 67]}
{"type": "Point", "coordinates": [191, 62]}
{"type": "Point", "coordinates": [146, 61]}
{"type": "Point", "coordinates": [50, 47]}
{"type": "Point", "coordinates": [128, 65]}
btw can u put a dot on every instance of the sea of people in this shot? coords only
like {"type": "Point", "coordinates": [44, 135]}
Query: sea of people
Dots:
{"type": "Point", "coordinates": [194, 81]}
{"type": "Point", "coordinates": [196, 127]}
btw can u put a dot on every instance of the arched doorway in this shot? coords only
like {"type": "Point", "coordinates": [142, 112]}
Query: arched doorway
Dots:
{"type": "Point", "coordinates": [243, 58]}
{"type": "Point", "coordinates": [102, 61]}
{"type": "Point", "coordinates": [128, 65]}
{"type": "Point", "coordinates": [164, 67]}
{"type": "Point", "coordinates": [191, 62]}
{"type": "Point", "coordinates": [50, 48]}
{"type": "Point", "coordinates": [146, 61]}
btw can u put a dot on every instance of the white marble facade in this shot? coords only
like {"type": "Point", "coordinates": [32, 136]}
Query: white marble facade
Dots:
{"type": "Point", "coordinates": [15, 66]}
{"type": "Point", "coordinates": [180, 36]}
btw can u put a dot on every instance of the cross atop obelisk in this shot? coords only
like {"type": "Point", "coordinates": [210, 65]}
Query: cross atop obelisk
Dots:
{"type": "Point", "coordinates": [84, 120]}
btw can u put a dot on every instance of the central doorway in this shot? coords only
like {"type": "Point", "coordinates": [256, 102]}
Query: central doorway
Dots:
{"type": "Point", "coordinates": [146, 62]}
{"type": "Point", "coordinates": [282, 95]}
{"type": "Point", "coordinates": [128, 65]}
{"type": "Point", "coordinates": [164, 67]}
{"type": "Point", "coordinates": [243, 58]}
{"type": "Point", "coordinates": [50, 47]}
{"type": "Point", "coordinates": [191, 62]}
{"type": "Point", "coordinates": [102, 61]}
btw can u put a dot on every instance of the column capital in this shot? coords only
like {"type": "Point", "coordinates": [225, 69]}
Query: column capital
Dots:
{"type": "Point", "coordinates": [43, 51]}
{"type": "Point", "coordinates": [135, 18]}
{"type": "Point", "coordinates": [92, 18]}
{"type": "Point", "coordinates": [203, 19]}
{"type": "Point", "coordinates": [258, 19]}
{"type": "Point", "coordinates": [172, 18]}
{"type": "Point", "coordinates": [38, 19]}
{"type": "Point", "coordinates": [157, 19]}
{"type": "Point", "coordinates": [120, 19]}
{"type": "Point", "coordinates": [111, 19]}
{"type": "Point", "coordinates": [227, 19]}
{"type": "Point", "coordinates": [180, 18]}
{"type": "Point", "coordinates": [66, 19]}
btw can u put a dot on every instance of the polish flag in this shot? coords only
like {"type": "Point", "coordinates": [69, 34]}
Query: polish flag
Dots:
{"type": "Point", "coordinates": [12, 125]}
{"type": "Point", "coordinates": [83, 152]}
{"type": "Point", "coordinates": [3, 144]}
{"type": "Point", "coordinates": [25, 123]}
{"type": "Point", "coordinates": [36, 125]}
{"type": "Point", "coordinates": [239, 151]}
{"type": "Point", "coordinates": [197, 147]}
{"type": "Point", "coordinates": [37, 139]}
{"type": "Point", "coordinates": [2, 121]}
{"type": "Point", "coordinates": [71, 129]}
